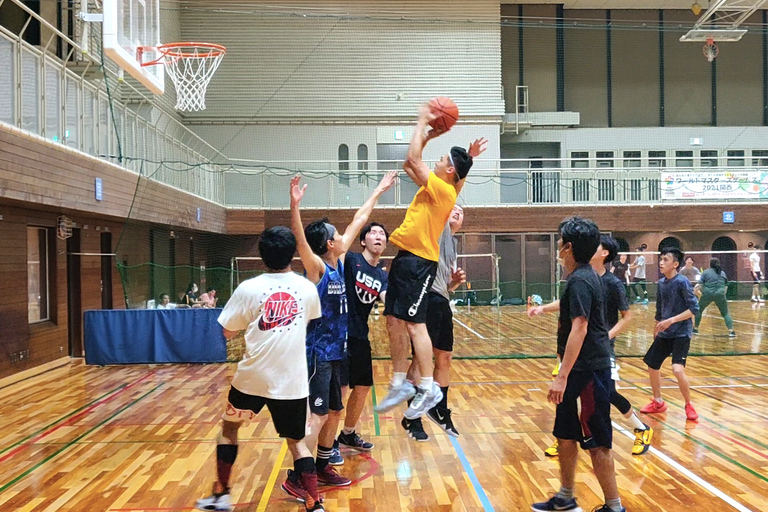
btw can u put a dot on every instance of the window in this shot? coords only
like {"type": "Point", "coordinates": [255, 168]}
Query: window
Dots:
{"type": "Point", "coordinates": [604, 158]}
{"type": "Point", "coordinates": [657, 159]}
{"type": "Point", "coordinates": [709, 158]}
{"type": "Point", "coordinates": [759, 158]}
{"type": "Point", "coordinates": [545, 187]}
{"type": "Point", "coordinates": [683, 158]}
{"type": "Point", "coordinates": [37, 274]}
{"type": "Point", "coordinates": [735, 158]}
{"type": "Point", "coordinates": [362, 157]}
{"type": "Point", "coordinates": [632, 159]}
{"type": "Point", "coordinates": [344, 177]}
{"type": "Point", "coordinates": [579, 160]}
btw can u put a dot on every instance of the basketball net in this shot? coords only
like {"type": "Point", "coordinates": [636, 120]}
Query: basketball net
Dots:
{"type": "Point", "coordinates": [710, 49]}
{"type": "Point", "coordinates": [191, 67]}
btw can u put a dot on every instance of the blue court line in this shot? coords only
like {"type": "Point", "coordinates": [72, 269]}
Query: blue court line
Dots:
{"type": "Point", "coordinates": [472, 476]}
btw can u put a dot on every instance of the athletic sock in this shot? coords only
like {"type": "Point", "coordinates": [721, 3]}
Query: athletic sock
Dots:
{"type": "Point", "coordinates": [614, 505]}
{"type": "Point", "coordinates": [225, 459]}
{"type": "Point", "coordinates": [426, 383]}
{"type": "Point", "coordinates": [565, 493]}
{"type": "Point", "coordinates": [444, 402]}
{"type": "Point", "coordinates": [636, 423]}
{"type": "Point", "coordinates": [397, 379]}
{"type": "Point", "coordinates": [658, 400]}
{"type": "Point", "coordinates": [347, 431]}
{"type": "Point", "coordinates": [323, 454]}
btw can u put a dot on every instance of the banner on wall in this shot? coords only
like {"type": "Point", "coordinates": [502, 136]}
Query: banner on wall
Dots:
{"type": "Point", "coordinates": [715, 185]}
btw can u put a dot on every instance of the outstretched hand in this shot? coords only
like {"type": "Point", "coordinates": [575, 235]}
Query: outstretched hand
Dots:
{"type": "Point", "coordinates": [477, 147]}
{"type": "Point", "coordinates": [387, 181]}
{"type": "Point", "coordinates": [297, 192]}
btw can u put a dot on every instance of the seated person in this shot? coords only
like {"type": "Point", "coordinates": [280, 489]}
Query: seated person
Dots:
{"type": "Point", "coordinates": [209, 298]}
{"type": "Point", "coordinates": [164, 302]}
{"type": "Point", "coordinates": [190, 298]}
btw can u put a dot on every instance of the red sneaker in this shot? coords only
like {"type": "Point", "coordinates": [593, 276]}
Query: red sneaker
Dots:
{"type": "Point", "coordinates": [690, 412]}
{"type": "Point", "coordinates": [329, 476]}
{"type": "Point", "coordinates": [294, 485]}
{"type": "Point", "coordinates": [654, 407]}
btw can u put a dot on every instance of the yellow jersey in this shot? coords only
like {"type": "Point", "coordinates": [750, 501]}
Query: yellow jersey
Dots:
{"type": "Point", "coordinates": [425, 219]}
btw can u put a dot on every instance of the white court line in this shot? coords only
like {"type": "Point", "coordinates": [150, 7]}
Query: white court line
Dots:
{"type": "Point", "coordinates": [698, 387]}
{"type": "Point", "coordinates": [469, 328]}
{"type": "Point", "coordinates": [739, 321]}
{"type": "Point", "coordinates": [691, 476]}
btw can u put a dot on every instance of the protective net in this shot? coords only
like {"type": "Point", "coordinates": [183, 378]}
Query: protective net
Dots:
{"type": "Point", "coordinates": [582, 108]}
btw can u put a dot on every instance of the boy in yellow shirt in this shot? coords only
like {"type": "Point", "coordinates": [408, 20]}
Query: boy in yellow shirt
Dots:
{"type": "Point", "coordinates": [413, 270]}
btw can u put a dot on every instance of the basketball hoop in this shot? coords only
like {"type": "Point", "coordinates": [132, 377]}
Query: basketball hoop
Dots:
{"type": "Point", "coordinates": [710, 49]}
{"type": "Point", "coordinates": [63, 227]}
{"type": "Point", "coordinates": [190, 66]}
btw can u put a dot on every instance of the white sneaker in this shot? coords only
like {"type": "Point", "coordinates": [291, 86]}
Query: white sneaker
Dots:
{"type": "Point", "coordinates": [424, 401]}
{"type": "Point", "coordinates": [396, 395]}
{"type": "Point", "coordinates": [217, 503]}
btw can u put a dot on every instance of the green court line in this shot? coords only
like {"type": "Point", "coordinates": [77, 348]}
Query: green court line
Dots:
{"type": "Point", "coordinates": [376, 426]}
{"type": "Point", "coordinates": [62, 419]}
{"type": "Point", "coordinates": [74, 441]}
{"type": "Point", "coordinates": [713, 422]}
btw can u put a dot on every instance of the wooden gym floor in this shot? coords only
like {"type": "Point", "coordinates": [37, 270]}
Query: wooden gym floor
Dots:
{"type": "Point", "coordinates": [142, 438]}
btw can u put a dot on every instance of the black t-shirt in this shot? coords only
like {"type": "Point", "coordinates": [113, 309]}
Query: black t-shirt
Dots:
{"type": "Point", "coordinates": [584, 296]}
{"type": "Point", "coordinates": [620, 270]}
{"type": "Point", "coordinates": [615, 300]}
{"type": "Point", "coordinates": [364, 285]}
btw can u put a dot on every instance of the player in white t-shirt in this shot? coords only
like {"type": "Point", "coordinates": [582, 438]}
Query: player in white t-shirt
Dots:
{"type": "Point", "coordinates": [273, 309]}
{"type": "Point", "coordinates": [757, 275]}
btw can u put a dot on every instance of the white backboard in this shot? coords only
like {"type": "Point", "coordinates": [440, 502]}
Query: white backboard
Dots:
{"type": "Point", "coordinates": [128, 25]}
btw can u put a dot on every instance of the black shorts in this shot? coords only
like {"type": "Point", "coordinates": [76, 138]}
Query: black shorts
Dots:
{"type": "Point", "coordinates": [288, 416]}
{"type": "Point", "coordinates": [360, 362]}
{"type": "Point", "coordinates": [757, 277]}
{"type": "Point", "coordinates": [410, 278]}
{"type": "Point", "coordinates": [662, 348]}
{"type": "Point", "coordinates": [325, 387]}
{"type": "Point", "coordinates": [440, 322]}
{"type": "Point", "coordinates": [591, 426]}
{"type": "Point", "coordinates": [344, 371]}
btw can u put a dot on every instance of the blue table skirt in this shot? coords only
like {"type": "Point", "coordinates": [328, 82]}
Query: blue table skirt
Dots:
{"type": "Point", "coordinates": [136, 336]}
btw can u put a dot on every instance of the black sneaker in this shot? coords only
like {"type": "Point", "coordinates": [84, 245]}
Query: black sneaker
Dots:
{"type": "Point", "coordinates": [354, 441]}
{"type": "Point", "coordinates": [695, 330]}
{"type": "Point", "coordinates": [558, 504]}
{"type": "Point", "coordinates": [442, 417]}
{"type": "Point", "coordinates": [415, 429]}
{"type": "Point", "coordinates": [606, 508]}
{"type": "Point", "coordinates": [731, 334]}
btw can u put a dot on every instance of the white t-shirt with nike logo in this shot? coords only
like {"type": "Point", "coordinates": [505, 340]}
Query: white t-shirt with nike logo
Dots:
{"type": "Point", "coordinates": [273, 309]}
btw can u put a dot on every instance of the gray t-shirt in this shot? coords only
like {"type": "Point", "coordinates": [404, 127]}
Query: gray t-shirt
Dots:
{"type": "Point", "coordinates": [447, 262]}
{"type": "Point", "coordinates": [691, 274]}
{"type": "Point", "coordinates": [640, 270]}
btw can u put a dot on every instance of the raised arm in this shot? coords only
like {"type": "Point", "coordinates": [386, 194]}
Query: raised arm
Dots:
{"type": "Point", "coordinates": [361, 217]}
{"type": "Point", "coordinates": [313, 264]}
{"type": "Point", "coordinates": [414, 166]}
{"type": "Point", "coordinates": [475, 149]}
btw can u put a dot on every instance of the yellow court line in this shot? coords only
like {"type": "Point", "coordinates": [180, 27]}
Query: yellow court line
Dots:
{"type": "Point", "coordinates": [272, 479]}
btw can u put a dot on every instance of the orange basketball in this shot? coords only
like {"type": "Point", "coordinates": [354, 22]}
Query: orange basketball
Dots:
{"type": "Point", "coordinates": [446, 111]}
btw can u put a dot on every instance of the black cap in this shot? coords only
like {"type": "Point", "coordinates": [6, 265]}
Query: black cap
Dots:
{"type": "Point", "coordinates": [461, 161]}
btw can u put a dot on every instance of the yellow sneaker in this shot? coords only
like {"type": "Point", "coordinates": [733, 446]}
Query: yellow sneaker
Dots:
{"type": "Point", "coordinates": [642, 440]}
{"type": "Point", "coordinates": [556, 370]}
{"type": "Point", "coordinates": [551, 451]}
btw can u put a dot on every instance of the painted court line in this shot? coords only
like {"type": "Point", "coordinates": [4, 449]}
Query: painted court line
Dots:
{"type": "Point", "coordinates": [264, 501]}
{"type": "Point", "coordinates": [472, 477]}
{"type": "Point", "coordinates": [691, 476]}
{"type": "Point", "coordinates": [469, 328]}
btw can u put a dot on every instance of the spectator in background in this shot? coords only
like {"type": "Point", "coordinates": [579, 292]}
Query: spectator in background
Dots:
{"type": "Point", "coordinates": [690, 272]}
{"type": "Point", "coordinates": [713, 287]}
{"type": "Point", "coordinates": [209, 299]}
{"type": "Point", "coordinates": [190, 298]}
{"type": "Point", "coordinates": [757, 274]}
{"type": "Point", "coordinates": [163, 302]}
